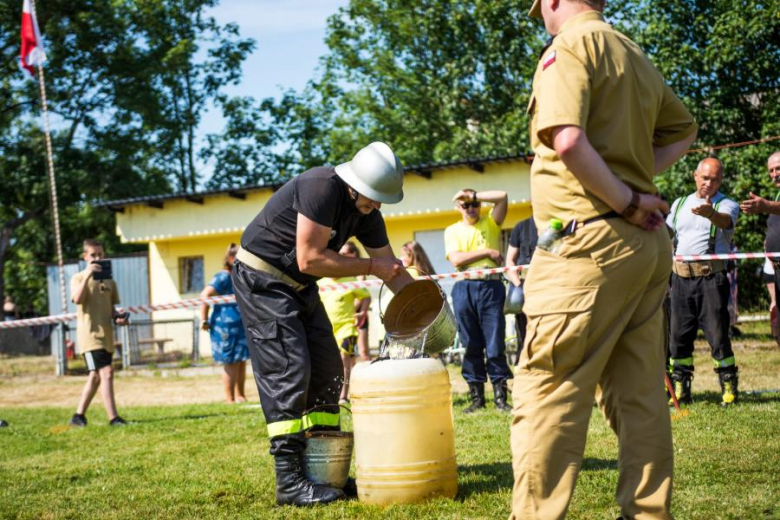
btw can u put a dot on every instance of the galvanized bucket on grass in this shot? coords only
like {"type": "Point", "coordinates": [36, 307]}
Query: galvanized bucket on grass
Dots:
{"type": "Point", "coordinates": [327, 457]}
{"type": "Point", "coordinates": [420, 311]}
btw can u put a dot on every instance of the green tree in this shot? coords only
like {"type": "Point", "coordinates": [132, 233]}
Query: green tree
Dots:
{"type": "Point", "coordinates": [722, 58]}
{"type": "Point", "coordinates": [439, 80]}
{"type": "Point", "coordinates": [189, 59]}
{"type": "Point", "coordinates": [127, 82]}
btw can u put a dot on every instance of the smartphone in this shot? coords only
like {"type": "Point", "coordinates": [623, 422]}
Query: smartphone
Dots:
{"type": "Point", "coordinates": [105, 273]}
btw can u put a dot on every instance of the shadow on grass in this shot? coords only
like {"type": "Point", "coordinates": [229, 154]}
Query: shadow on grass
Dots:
{"type": "Point", "coordinates": [760, 396]}
{"type": "Point", "coordinates": [476, 479]}
{"type": "Point", "coordinates": [486, 478]}
{"type": "Point", "coordinates": [590, 464]}
{"type": "Point", "coordinates": [752, 336]}
{"type": "Point", "coordinates": [179, 418]}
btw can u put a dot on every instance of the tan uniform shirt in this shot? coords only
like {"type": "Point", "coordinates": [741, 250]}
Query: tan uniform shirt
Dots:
{"type": "Point", "coordinates": [596, 78]}
{"type": "Point", "coordinates": [94, 322]}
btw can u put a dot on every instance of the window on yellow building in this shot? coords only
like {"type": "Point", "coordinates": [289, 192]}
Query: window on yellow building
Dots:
{"type": "Point", "coordinates": [190, 274]}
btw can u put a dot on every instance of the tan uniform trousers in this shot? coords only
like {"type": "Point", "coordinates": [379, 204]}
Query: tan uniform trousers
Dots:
{"type": "Point", "coordinates": [594, 329]}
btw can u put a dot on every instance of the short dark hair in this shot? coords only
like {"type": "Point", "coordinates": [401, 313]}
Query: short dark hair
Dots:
{"type": "Point", "coordinates": [91, 242]}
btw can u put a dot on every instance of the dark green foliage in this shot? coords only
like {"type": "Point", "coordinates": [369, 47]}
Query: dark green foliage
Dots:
{"type": "Point", "coordinates": [127, 83]}
{"type": "Point", "coordinates": [723, 59]}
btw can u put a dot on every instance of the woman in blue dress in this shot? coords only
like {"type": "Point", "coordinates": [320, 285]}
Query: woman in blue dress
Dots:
{"type": "Point", "coordinates": [228, 339]}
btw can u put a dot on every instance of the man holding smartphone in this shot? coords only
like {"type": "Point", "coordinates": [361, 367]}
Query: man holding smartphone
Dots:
{"type": "Point", "coordinates": [95, 295]}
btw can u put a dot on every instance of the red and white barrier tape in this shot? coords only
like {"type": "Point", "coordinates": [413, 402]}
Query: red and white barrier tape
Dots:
{"type": "Point", "coordinates": [725, 256]}
{"type": "Point", "coordinates": [471, 274]}
{"type": "Point", "coordinates": [197, 302]}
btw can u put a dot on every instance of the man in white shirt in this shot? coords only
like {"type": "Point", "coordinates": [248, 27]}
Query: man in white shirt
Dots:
{"type": "Point", "coordinates": [704, 223]}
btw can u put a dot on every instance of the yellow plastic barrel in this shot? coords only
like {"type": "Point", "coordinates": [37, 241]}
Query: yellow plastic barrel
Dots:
{"type": "Point", "coordinates": [404, 433]}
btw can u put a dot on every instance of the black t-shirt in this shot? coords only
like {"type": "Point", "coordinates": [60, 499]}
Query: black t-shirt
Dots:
{"type": "Point", "coordinates": [320, 195]}
{"type": "Point", "coordinates": [524, 238]}
{"type": "Point", "coordinates": [773, 234]}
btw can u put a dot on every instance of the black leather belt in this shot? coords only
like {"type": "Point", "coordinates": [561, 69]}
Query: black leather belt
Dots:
{"type": "Point", "coordinates": [574, 225]}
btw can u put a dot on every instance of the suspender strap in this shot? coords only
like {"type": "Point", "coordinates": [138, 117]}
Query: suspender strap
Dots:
{"type": "Point", "coordinates": [677, 211]}
{"type": "Point", "coordinates": [713, 233]}
{"type": "Point", "coordinates": [713, 229]}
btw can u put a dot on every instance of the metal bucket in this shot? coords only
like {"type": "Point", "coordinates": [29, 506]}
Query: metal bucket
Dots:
{"type": "Point", "coordinates": [420, 310]}
{"type": "Point", "coordinates": [327, 457]}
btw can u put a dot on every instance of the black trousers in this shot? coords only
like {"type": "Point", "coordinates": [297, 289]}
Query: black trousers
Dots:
{"type": "Point", "coordinates": [295, 359]}
{"type": "Point", "coordinates": [700, 302]}
{"type": "Point", "coordinates": [776, 265]}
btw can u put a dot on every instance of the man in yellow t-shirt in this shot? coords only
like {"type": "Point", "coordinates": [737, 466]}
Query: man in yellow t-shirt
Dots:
{"type": "Point", "coordinates": [345, 315]}
{"type": "Point", "coordinates": [95, 300]}
{"type": "Point", "coordinates": [475, 242]}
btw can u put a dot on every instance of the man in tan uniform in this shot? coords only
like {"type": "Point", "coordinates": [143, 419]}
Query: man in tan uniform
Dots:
{"type": "Point", "coordinates": [603, 124]}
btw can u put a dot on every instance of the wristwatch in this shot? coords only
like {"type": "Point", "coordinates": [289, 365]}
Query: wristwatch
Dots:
{"type": "Point", "coordinates": [632, 207]}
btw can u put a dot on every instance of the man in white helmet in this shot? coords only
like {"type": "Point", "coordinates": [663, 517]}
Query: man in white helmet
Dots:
{"type": "Point", "coordinates": [290, 244]}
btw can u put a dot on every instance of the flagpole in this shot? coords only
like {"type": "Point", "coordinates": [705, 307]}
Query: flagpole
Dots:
{"type": "Point", "coordinates": [59, 354]}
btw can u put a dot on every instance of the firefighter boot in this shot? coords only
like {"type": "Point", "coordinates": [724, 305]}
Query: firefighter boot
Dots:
{"type": "Point", "coordinates": [729, 387]}
{"type": "Point", "coordinates": [292, 486]}
{"type": "Point", "coordinates": [499, 396]}
{"type": "Point", "coordinates": [682, 382]}
{"type": "Point", "coordinates": [477, 396]}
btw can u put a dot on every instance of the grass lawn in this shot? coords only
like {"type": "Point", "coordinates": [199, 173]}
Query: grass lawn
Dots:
{"type": "Point", "coordinates": [211, 460]}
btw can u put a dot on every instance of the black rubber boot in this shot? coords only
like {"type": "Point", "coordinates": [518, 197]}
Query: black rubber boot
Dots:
{"type": "Point", "coordinates": [350, 488]}
{"type": "Point", "coordinates": [292, 486]}
{"type": "Point", "coordinates": [729, 387]}
{"type": "Point", "coordinates": [682, 383]}
{"type": "Point", "coordinates": [500, 392]}
{"type": "Point", "coordinates": [477, 396]}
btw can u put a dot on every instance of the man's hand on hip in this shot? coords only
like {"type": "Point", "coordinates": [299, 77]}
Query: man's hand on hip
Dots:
{"type": "Point", "coordinates": [650, 212]}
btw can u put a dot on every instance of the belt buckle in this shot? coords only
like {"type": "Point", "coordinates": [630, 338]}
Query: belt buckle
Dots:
{"type": "Point", "coordinates": [706, 269]}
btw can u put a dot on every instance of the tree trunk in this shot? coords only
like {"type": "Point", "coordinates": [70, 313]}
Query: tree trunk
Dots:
{"type": "Point", "coordinates": [190, 133]}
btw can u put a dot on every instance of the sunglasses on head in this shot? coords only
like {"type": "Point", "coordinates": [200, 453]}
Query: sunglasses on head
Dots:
{"type": "Point", "coordinates": [467, 205]}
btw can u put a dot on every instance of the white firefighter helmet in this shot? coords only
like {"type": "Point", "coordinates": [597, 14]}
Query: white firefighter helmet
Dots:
{"type": "Point", "coordinates": [375, 172]}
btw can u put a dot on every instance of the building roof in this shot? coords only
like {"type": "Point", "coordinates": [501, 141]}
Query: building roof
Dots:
{"type": "Point", "coordinates": [239, 192]}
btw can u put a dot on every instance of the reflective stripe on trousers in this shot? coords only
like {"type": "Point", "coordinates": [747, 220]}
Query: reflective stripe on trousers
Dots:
{"type": "Point", "coordinates": [308, 421]}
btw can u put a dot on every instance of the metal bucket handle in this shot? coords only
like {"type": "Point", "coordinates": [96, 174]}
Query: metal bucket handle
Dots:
{"type": "Point", "coordinates": [424, 277]}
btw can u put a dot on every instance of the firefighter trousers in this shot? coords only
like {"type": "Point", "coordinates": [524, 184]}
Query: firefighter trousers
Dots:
{"type": "Point", "coordinates": [700, 302]}
{"type": "Point", "coordinates": [295, 360]}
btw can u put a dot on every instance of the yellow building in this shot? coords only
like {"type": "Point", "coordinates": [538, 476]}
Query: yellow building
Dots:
{"type": "Point", "coordinates": [188, 234]}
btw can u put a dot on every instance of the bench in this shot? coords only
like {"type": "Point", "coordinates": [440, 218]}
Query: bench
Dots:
{"type": "Point", "coordinates": [160, 342]}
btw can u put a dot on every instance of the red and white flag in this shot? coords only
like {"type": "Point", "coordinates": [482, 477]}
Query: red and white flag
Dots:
{"type": "Point", "coordinates": [33, 53]}
{"type": "Point", "coordinates": [548, 60]}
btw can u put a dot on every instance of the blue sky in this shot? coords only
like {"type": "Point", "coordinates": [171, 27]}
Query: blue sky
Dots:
{"type": "Point", "coordinates": [290, 39]}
